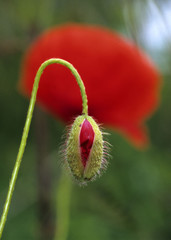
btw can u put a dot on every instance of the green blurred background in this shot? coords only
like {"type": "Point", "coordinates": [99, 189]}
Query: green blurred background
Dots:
{"type": "Point", "coordinates": [132, 200]}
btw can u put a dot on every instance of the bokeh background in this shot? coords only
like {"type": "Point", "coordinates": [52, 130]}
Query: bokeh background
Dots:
{"type": "Point", "coordinates": [132, 200]}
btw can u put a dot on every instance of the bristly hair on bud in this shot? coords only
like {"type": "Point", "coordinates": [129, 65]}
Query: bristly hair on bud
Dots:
{"type": "Point", "coordinates": [85, 151]}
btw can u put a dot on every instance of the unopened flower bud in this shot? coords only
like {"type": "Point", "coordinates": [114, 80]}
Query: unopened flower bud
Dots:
{"type": "Point", "coordinates": [85, 149]}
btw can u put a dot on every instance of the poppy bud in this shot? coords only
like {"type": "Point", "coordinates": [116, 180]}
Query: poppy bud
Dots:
{"type": "Point", "coordinates": [85, 149]}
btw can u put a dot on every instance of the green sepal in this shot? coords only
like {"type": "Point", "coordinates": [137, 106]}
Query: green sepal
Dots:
{"type": "Point", "coordinates": [73, 154]}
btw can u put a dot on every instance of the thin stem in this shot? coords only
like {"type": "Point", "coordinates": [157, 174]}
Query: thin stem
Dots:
{"type": "Point", "coordinates": [27, 126]}
{"type": "Point", "coordinates": [44, 176]}
{"type": "Point", "coordinates": [63, 206]}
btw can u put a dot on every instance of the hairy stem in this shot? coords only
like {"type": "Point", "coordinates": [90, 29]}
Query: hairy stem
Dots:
{"type": "Point", "coordinates": [27, 127]}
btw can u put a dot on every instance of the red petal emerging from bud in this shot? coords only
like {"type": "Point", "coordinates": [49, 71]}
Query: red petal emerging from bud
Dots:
{"type": "Point", "coordinates": [86, 140]}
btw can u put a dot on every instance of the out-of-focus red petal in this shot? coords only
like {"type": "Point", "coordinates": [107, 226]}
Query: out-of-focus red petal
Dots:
{"type": "Point", "coordinates": [121, 83]}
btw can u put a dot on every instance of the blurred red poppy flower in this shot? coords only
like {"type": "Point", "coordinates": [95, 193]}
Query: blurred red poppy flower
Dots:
{"type": "Point", "coordinates": [121, 82]}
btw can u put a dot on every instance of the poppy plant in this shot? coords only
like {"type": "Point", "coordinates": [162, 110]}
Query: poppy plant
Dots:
{"type": "Point", "coordinates": [122, 85]}
{"type": "Point", "coordinates": [84, 129]}
{"type": "Point", "coordinates": [121, 82]}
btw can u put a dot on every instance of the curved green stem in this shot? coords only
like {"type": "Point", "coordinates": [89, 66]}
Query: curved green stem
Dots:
{"type": "Point", "coordinates": [27, 126]}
